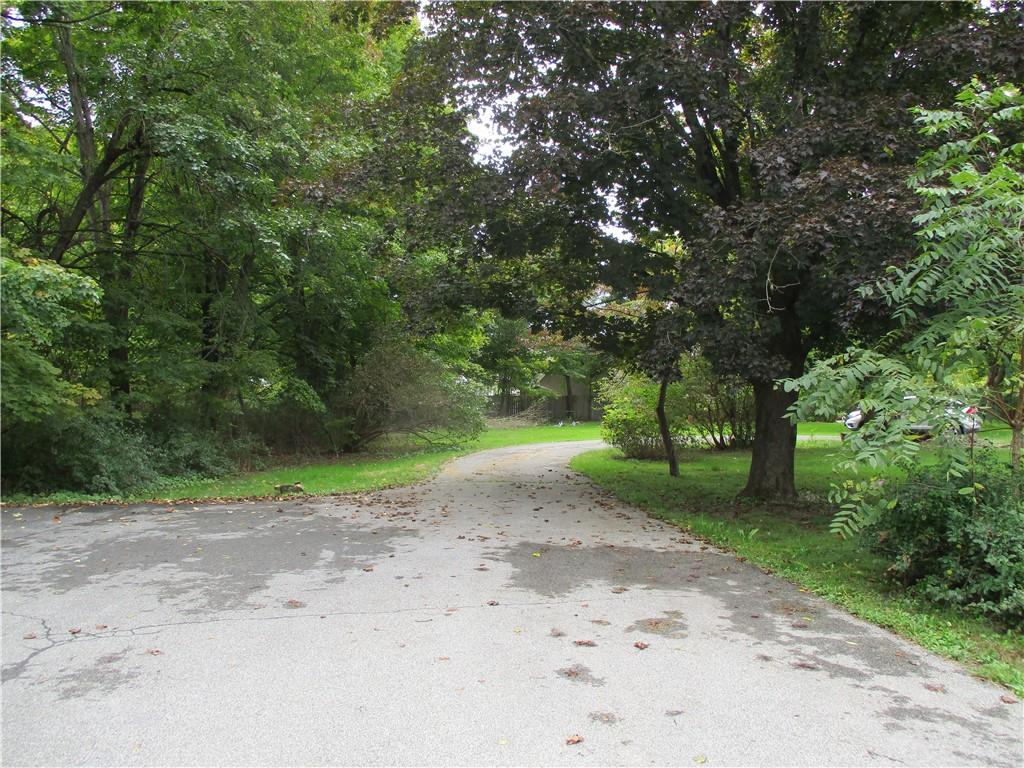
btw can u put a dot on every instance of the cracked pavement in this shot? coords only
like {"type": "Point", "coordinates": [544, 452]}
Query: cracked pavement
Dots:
{"type": "Point", "coordinates": [487, 616]}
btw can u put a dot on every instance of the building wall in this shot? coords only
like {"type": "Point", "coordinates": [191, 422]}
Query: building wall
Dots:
{"type": "Point", "coordinates": [581, 406]}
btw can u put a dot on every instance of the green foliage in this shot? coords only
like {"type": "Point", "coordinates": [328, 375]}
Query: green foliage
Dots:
{"type": "Point", "coordinates": [630, 422]}
{"type": "Point", "coordinates": [510, 364]}
{"type": "Point", "coordinates": [100, 450]}
{"type": "Point", "coordinates": [703, 409]}
{"type": "Point", "coordinates": [960, 303]}
{"type": "Point", "coordinates": [399, 388]}
{"type": "Point", "coordinates": [719, 408]}
{"type": "Point", "coordinates": [766, 145]}
{"type": "Point", "coordinates": [38, 301]}
{"type": "Point", "coordinates": [214, 209]}
{"type": "Point", "coordinates": [962, 546]}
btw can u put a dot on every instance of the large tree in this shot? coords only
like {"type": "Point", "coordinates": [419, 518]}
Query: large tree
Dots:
{"type": "Point", "coordinates": [770, 140]}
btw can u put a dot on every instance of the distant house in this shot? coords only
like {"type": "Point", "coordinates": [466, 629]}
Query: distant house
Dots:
{"type": "Point", "coordinates": [570, 399]}
{"type": "Point", "coordinates": [574, 399]}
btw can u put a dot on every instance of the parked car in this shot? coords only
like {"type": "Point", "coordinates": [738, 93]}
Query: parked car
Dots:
{"type": "Point", "coordinates": [966, 416]}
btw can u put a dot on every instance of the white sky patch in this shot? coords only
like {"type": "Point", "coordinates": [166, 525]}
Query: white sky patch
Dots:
{"type": "Point", "coordinates": [494, 145]}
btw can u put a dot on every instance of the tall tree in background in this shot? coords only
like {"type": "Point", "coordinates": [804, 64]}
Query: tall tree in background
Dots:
{"type": "Point", "coordinates": [772, 140]}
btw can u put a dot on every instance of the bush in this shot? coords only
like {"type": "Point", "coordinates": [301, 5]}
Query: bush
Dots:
{"type": "Point", "coordinates": [962, 546]}
{"type": "Point", "coordinates": [630, 421]}
{"type": "Point", "coordinates": [101, 451]}
{"type": "Point", "coordinates": [399, 388]}
{"type": "Point", "coordinates": [720, 409]}
{"type": "Point", "coordinates": [703, 409]}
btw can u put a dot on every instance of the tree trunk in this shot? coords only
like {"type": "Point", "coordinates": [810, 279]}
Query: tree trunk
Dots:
{"type": "Point", "coordinates": [568, 398]}
{"type": "Point", "coordinates": [771, 476]}
{"type": "Point", "coordinates": [666, 435]}
{"type": "Point", "coordinates": [1017, 420]}
{"type": "Point", "coordinates": [1016, 444]}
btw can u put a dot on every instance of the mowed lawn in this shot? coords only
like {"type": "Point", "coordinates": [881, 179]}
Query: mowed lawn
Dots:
{"type": "Point", "coordinates": [794, 543]}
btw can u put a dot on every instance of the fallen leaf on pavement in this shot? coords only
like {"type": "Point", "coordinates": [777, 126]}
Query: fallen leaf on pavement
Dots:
{"type": "Point", "coordinates": [30, 636]}
{"type": "Point", "coordinates": [368, 568]}
{"type": "Point", "coordinates": [155, 652]}
{"type": "Point", "coordinates": [935, 687]}
{"type": "Point", "coordinates": [75, 630]}
{"type": "Point", "coordinates": [56, 519]}
{"type": "Point", "coordinates": [1007, 699]}
{"type": "Point", "coordinates": [101, 626]}
{"type": "Point", "coordinates": [700, 759]}
{"type": "Point", "coordinates": [576, 739]}
{"type": "Point", "coordinates": [620, 590]}
{"type": "Point", "coordinates": [295, 604]}
{"type": "Point", "coordinates": [641, 646]}
{"type": "Point", "coordinates": [536, 554]}
{"type": "Point", "coordinates": [492, 602]}
{"type": "Point", "coordinates": [584, 643]}
{"type": "Point", "coordinates": [557, 633]}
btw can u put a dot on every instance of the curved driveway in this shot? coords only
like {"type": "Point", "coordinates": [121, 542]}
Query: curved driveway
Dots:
{"type": "Point", "coordinates": [484, 617]}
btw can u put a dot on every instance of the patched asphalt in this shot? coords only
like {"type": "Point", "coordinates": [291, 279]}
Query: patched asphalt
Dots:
{"type": "Point", "coordinates": [489, 616]}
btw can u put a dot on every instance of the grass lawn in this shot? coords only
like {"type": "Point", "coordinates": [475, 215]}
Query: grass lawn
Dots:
{"type": "Point", "coordinates": [820, 428]}
{"type": "Point", "coordinates": [794, 543]}
{"type": "Point", "coordinates": [391, 462]}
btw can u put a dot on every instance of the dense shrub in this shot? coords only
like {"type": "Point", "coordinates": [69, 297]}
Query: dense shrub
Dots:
{"type": "Point", "coordinates": [630, 422]}
{"type": "Point", "coordinates": [959, 545]}
{"type": "Point", "coordinates": [400, 388]}
{"type": "Point", "coordinates": [703, 409]}
{"type": "Point", "coordinates": [100, 450]}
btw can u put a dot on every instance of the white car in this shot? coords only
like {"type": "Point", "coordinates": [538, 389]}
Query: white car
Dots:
{"type": "Point", "coordinates": [966, 416]}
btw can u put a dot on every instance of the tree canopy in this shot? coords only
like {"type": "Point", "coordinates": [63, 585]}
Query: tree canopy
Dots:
{"type": "Point", "coordinates": [225, 224]}
{"type": "Point", "coordinates": [769, 142]}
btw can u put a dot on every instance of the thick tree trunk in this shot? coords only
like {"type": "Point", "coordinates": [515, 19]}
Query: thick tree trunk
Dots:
{"type": "Point", "coordinates": [568, 399]}
{"type": "Point", "coordinates": [771, 476]}
{"type": "Point", "coordinates": [666, 435]}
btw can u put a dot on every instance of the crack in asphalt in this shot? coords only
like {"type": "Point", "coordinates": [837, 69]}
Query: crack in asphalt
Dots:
{"type": "Point", "coordinates": [15, 669]}
{"type": "Point", "coordinates": [147, 630]}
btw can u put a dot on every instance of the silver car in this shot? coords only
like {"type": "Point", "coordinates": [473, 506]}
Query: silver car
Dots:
{"type": "Point", "coordinates": [966, 416]}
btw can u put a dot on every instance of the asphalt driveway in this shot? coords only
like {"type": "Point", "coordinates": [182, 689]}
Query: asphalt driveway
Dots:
{"type": "Point", "coordinates": [489, 616]}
